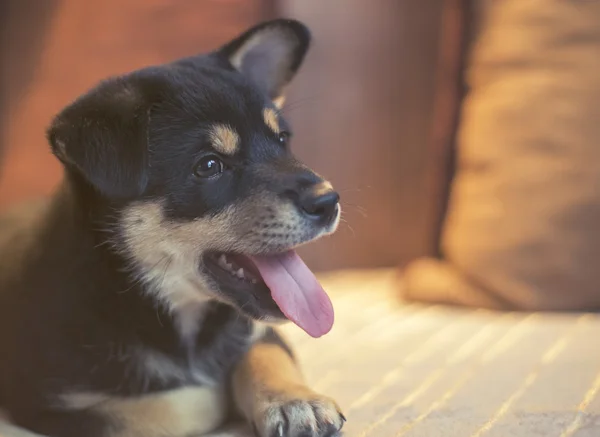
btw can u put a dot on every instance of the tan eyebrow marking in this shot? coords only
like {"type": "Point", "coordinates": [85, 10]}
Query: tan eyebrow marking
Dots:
{"type": "Point", "coordinates": [225, 139]}
{"type": "Point", "coordinates": [279, 102]}
{"type": "Point", "coordinates": [271, 119]}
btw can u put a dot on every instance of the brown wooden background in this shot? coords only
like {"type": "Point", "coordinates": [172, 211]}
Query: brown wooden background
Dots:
{"type": "Point", "coordinates": [362, 106]}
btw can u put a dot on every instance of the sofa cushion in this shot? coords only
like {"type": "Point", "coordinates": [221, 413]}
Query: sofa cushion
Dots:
{"type": "Point", "coordinates": [523, 226]}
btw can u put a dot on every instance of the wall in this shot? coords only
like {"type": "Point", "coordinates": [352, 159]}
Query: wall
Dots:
{"type": "Point", "coordinates": [362, 112]}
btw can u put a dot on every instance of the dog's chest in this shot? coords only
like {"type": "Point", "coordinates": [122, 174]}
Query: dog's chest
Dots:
{"type": "Point", "coordinates": [166, 371]}
{"type": "Point", "coordinates": [211, 339]}
{"type": "Point", "coordinates": [187, 306]}
{"type": "Point", "coordinates": [187, 322]}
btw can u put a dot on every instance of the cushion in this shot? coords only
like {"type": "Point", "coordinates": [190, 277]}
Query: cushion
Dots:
{"type": "Point", "coordinates": [522, 229]}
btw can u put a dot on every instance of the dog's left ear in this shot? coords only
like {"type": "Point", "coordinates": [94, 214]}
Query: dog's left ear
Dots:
{"type": "Point", "coordinates": [103, 136]}
{"type": "Point", "coordinates": [270, 54]}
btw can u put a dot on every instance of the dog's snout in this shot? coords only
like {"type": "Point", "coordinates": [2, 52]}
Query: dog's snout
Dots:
{"type": "Point", "coordinates": [313, 197]}
{"type": "Point", "coordinates": [319, 204]}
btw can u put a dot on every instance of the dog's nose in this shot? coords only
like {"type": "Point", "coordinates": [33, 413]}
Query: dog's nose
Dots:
{"type": "Point", "coordinates": [320, 205]}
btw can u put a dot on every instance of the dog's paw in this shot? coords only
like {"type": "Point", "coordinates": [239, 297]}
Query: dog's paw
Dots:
{"type": "Point", "coordinates": [297, 413]}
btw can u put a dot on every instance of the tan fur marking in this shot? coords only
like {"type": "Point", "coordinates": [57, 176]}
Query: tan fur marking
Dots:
{"type": "Point", "coordinates": [162, 367]}
{"type": "Point", "coordinates": [182, 412]}
{"type": "Point", "coordinates": [279, 101]}
{"type": "Point", "coordinates": [323, 188]}
{"type": "Point", "coordinates": [81, 400]}
{"type": "Point", "coordinates": [265, 367]}
{"type": "Point", "coordinates": [168, 253]}
{"type": "Point", "coordinates": [259, 330]}
{"type": "Point", "coordinates": [271, 119]}
{"type": "Point", "coordinates": [269, 389]}
{"type": "Point", "coordinates": [225, 139]}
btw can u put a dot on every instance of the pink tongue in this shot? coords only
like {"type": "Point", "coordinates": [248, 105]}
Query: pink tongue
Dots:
{"type": "Point", "coordinates": [297, 292]}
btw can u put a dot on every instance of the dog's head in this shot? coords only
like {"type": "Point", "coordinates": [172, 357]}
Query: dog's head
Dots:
{"type": "Point", "coordinates": [195, 155]}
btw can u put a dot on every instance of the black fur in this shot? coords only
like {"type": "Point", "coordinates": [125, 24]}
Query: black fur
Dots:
{"type": "Point", "coordinates": [71, 310]}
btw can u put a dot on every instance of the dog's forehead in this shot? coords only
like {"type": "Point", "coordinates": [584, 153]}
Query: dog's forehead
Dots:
{"type": "Point", "coordinates": [227, 106]}
{"type": "Point", "coordinates": [216, 94]}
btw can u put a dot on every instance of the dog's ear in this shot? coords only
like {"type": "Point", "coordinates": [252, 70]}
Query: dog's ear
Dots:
{"type": "Point", "coordinates": [270, 54]}
{"type": "Point", "coordinates": [103, 135]}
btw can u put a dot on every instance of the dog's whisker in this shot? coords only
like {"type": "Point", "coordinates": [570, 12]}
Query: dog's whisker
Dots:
{"type": "Point", "coordinates": [349, 190]}
{"type": "Point", "coordinates": [347, 225]}
{"type": "Point", "coordinates": [362, 211]}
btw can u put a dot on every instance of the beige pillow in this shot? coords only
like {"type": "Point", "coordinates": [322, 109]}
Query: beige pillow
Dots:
{"type": "Point", "coordinates": [523, 225]}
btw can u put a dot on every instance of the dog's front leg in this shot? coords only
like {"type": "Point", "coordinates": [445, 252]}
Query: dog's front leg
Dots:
{"type": "Point", "coordinates": [270, 392]}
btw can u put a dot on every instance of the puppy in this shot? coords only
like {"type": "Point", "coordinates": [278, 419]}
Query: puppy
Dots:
{"type": "Point", "coordinates": [138, 302]}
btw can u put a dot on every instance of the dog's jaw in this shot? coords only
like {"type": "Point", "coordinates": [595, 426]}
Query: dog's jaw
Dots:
{"type": "Point", "coordinates": [173, 259]}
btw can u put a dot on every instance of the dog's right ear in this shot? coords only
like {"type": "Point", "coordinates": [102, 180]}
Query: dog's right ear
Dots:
{"type": "Point", "coordinates": [103, 135]}
{"type": "Point", "coordinates": [269, 54]}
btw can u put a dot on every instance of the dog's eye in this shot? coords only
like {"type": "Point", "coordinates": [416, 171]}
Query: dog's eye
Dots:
{"type": "Point", "coordinates": [284, 137]}
{"type": "Point", "coordinates": [208, 167]}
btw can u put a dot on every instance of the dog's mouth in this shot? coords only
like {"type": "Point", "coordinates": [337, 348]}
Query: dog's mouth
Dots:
{"type": "Point", "coordinates": [239, 267]}
{"type": "Point", "coordinates": [282, 279]}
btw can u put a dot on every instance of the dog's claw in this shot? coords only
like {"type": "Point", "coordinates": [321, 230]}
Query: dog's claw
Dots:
{"type": "Point", "coordinates": [343, 417]}
{"type": "Point", "coordinates": [299, 414]}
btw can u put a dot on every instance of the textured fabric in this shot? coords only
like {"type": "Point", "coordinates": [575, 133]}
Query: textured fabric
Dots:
{"type": "Point", "coordinates": [410, 370]}
{"type": "Point", "coordinates": [522, 230]}
{"type": "Point", "coordinates": [449, 90]}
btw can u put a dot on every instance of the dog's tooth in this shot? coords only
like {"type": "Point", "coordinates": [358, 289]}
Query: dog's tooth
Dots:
{"type": "Point", "coordinates": [254, 281]}
{"type": "Point", "coordinates": [240, 273]}
{"type": "Point", "coordinates": [250, 276]}
{"type": "Point", "coordinates": [223, 261]}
